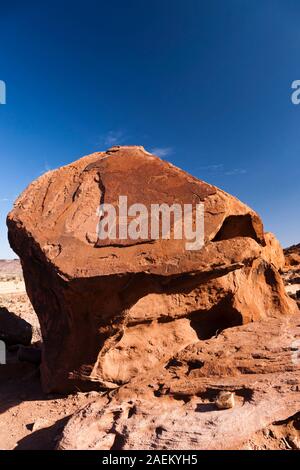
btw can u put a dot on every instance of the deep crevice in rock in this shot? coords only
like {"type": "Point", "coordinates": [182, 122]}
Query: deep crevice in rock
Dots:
{"type": "Point", "coordinates": [194, 365]}
{"type": "Point", "coordinates": [218, 318]}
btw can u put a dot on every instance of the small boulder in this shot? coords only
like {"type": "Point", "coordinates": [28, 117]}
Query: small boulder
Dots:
{"type": "Point", "coordinates": [13, 329]}
{"type": "Point", "coordinates": [225, 400]}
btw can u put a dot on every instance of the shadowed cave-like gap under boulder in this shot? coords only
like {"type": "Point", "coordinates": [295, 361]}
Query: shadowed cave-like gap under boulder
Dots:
{"type": "Point", "coordinates": [238, 226]}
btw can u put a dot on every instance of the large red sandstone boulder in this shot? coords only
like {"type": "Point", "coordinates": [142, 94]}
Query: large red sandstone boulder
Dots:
{"type": "Point", "coordinates": [110, 310]}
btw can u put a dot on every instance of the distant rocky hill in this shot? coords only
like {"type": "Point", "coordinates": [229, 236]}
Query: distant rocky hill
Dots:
{"type": "Point", "coordinates": [10, 268]}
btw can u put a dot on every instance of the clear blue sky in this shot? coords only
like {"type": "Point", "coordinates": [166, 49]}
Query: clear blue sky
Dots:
{"type": "Point", "coordinates": [205, 83]}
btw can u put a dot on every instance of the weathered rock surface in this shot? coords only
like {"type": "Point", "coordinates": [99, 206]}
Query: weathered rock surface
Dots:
{"type": "Point", "coordinates": [280, 435]}
{"type": "Point", "coordinates": [273, 252]}
{"type": "Point", "coordinates": [291, 272]}
{"type": "Point", "coordinates": [110, 311]}
{"type": "Point", "coordinates": [292, 255]}
{"type": "Point", "coordinates": [175, 407]}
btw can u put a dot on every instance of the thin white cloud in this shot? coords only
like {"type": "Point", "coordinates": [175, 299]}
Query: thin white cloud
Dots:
{"type": "Point", "coordinates": [161, 151]}
{"type": "Point", "coordinates": [116, 137]}
{"type": "Point", "coordinates": [219, 169]}
{"type": "Point", "coordinates": [5, 199]}
{"type": "Point", "coordinates": [235, 172]}
{"type": "Point", "coordinates": [213, 167]}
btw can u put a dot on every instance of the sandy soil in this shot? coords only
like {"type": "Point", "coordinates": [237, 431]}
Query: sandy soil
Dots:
{"type": "Point", "coordinates": [12, 287]}
{"type": "Point", "coordinates": [29, 419]}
